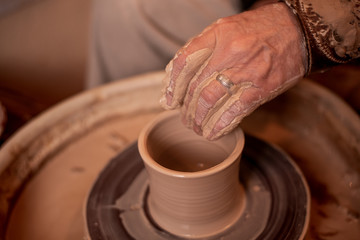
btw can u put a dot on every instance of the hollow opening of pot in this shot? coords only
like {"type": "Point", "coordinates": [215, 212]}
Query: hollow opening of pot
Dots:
{"type": "Point", "coordinates": [173, 146]}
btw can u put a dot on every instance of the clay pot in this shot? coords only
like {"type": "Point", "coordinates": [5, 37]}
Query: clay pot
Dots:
{"type": "Point", "coordinates": [194, 184]}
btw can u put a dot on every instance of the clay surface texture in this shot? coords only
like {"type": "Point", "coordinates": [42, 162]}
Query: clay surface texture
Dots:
{"type": "Point", "coordinates": [55, 160]}
{"type": "Point", "coordinates": [194, 188]}
{"type": "Point", "coordinates": [275, 194]}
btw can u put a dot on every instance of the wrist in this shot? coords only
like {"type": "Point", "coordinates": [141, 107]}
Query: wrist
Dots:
{"type": "Point", "coordinates": [330, 28]}
{"type": "Point", "coordinates": [304, 42]}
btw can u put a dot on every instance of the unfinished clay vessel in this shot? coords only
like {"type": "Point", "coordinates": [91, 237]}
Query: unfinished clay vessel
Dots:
{"type": "Point", "coordinates": [194, 183]}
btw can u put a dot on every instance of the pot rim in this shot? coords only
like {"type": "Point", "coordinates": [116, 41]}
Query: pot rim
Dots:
{"type": "Point", "coordinates": [150, 162]}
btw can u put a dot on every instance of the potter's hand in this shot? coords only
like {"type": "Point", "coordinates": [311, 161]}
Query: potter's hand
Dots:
{"type": "Point", "coordinates": [260, 51]}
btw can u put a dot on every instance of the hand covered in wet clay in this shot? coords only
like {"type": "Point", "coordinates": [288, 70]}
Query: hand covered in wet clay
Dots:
{"type": "Point", "coordinates": [260, 51]}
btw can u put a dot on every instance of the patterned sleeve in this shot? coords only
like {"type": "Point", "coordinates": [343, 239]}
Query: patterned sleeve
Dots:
{"type": "Point", "coordinates": [331, 28]}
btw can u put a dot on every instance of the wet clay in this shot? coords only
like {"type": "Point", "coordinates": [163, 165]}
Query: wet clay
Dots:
{"type": "Point", "coordinates": [189, 156]}
{"type": "Point", "coordinates": [173, 146]}
{"type": "Point", "coordinates": [277, 199]}
{"type": "Point", "coordinates": [51, 162]}
{"type": "Point", "coordinates": [194, 189]}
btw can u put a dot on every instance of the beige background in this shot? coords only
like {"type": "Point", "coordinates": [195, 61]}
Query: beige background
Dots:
{"type": "Point", "coordinates": [43, 48]}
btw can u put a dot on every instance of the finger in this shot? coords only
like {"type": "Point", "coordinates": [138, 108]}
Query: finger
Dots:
{"type": "Point", "coordinates": [206, 95]}
{"type": "Point", "coordinates": [183, 68]}
{"type": "Point", "coordinates": [213, 97]}
{"type": "Point", "coordinates": [213, 93]}
{"type": "Point", "coordinates": [177, 84]}
{"type": "Point", "coordinates": [203, 85]}
{"type": "Point", "coordinates": [203, 95]}
{"type": "Point", "coordinates": [244, 102]}
{"type": "Point", "coordinates": [241, 104]}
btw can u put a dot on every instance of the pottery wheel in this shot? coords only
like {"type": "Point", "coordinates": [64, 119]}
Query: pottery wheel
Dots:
{"type": "Point", "coordinates": [277, 198]}
{"type": "Point", "coordinates": [48, 167]}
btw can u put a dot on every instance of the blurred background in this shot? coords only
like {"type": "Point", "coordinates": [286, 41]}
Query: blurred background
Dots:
{"type": "Point", "coordinates": [43, 58]}
{"type": "Point", "coordinates": [43, 52]}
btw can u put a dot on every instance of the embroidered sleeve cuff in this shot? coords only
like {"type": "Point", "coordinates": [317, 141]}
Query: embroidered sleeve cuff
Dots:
{"type": "Point", "coordinates": [331, 28]}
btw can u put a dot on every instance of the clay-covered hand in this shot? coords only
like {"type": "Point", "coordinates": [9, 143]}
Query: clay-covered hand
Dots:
{"type": "Point", "coordinates": [261, 52]}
